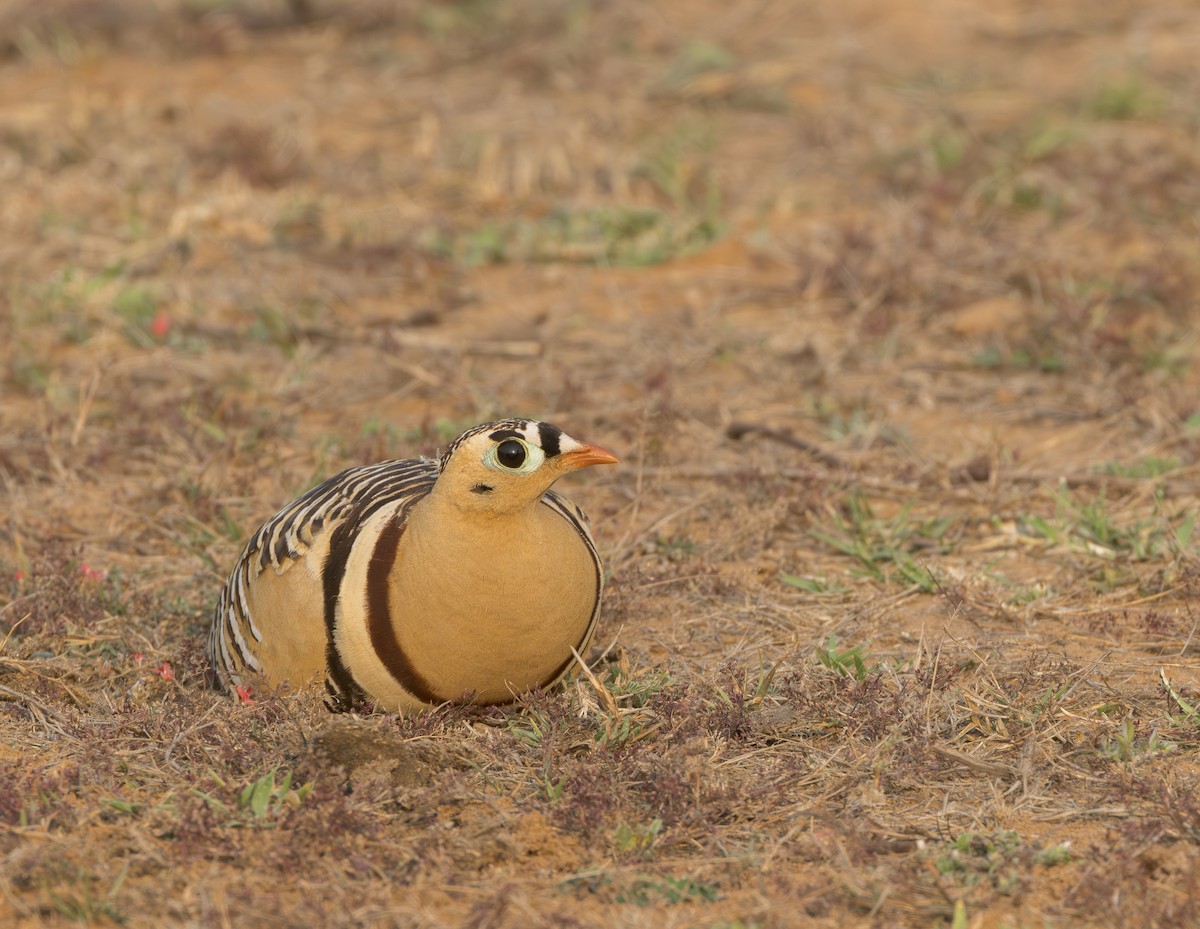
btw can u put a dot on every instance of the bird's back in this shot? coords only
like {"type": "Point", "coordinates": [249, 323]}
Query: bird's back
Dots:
{"type": "Point", "coordinates": [271, 618]}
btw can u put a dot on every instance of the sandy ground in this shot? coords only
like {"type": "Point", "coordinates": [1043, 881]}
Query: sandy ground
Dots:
{"type": "Point", "coordinates": [891, 315]}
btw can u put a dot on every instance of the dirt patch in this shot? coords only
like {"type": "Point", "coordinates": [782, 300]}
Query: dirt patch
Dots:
{"type": "Point", "coordinates": [891, 316]}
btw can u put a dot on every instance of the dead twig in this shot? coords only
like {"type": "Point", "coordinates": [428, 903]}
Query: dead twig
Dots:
{"type": "Point", "coordinates": [739, 430]}
{"type": "Point", "coordinates": [991, 768]}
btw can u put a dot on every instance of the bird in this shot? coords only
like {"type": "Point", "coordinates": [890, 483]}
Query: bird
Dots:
{"type": "Point", "coordinates": [416, 582]}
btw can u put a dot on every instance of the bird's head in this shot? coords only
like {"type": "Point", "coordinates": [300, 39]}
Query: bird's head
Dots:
{"type": "Point", "coordinates": [505, 466]}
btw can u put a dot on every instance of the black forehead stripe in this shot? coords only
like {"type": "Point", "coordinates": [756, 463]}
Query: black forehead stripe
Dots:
{"type": "Point", "coordinates": [501, 434]}
{"type": "Point", "coordinates": [550, 435]}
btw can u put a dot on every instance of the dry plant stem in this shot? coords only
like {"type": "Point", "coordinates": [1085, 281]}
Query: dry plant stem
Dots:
{"type": "Point", "coordinates": [739, 430]}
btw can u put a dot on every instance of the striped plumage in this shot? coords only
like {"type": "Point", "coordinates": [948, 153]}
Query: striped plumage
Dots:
{"type": "Point", "coordinates": [411, 583]}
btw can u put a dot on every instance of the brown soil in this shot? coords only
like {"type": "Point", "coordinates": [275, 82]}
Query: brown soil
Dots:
{"type": "Point", "coordinates": [889, 308]}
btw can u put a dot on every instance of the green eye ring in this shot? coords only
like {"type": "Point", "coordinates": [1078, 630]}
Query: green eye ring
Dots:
{"type": "Point", "coordinates": [514, 456]}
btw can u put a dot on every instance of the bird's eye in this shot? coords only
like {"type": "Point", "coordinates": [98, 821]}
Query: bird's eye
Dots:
{"type": "Point", "coordinates": [514, 456]}
{"type": "Point", "coordinates": [511, 454]}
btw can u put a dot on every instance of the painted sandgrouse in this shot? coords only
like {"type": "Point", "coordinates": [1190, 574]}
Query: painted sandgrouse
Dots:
{"type": "Point", "coordinates": [411, 583]}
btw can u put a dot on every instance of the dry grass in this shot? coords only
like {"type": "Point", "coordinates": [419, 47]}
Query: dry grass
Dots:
{"type": "Point", "coordinates": [893, 318]}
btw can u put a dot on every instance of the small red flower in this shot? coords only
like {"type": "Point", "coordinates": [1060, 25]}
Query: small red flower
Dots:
{"type": "Point", "coordinates": [244, 694]}
{"type": "Point", "coordinates": [166, 671]}
{"type": "Point", "coordinates": [160, 325]}
{"type": "Point", "coordinates": [139, 657]}
{"type": "Point", "coordinates": [18, 575]}
{"type": "Point", "coordinates": [89, 573]}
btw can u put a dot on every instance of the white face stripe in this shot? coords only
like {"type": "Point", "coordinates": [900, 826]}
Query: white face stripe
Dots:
{"type": "Point", "coordinates": [567, 444]}
{"type": "Point", "coordinates": [530, 432]}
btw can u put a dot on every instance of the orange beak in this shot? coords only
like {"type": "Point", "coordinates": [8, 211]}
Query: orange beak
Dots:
{"type": "Point", "coordinates": [587, 456]}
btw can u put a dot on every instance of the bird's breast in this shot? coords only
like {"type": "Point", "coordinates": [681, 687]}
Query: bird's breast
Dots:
{"type": "Point", "coordinates": [455, 607]}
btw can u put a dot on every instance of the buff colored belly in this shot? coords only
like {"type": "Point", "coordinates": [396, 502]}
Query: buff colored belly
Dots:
{"type": "Point", "coordinates": [499, 624]}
